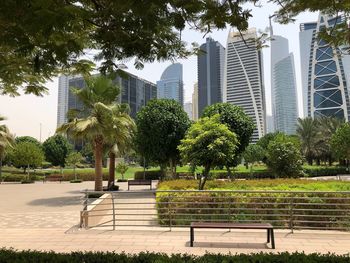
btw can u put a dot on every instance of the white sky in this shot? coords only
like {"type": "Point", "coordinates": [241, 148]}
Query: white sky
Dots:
{"type": "Point", "coordinates": [27, 112]}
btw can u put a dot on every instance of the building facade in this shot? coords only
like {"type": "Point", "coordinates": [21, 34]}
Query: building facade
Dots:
{"type": "Point", "coordinates": [170, 85]}
{"type": "Point", "coordinates": [188, 109]}
{"type": "Point", "coordinates": [283, 86]}
{"type": "Point", "coordinates": [210, 66]}
{"type": "Point", "coordinates": [244, 82]}
{"type": "Point", "coordinates": [324, 72]}
{"type": "Point", "coordinates": [134, 91]}
{"type": "Point", "coordinates": [195, 102]}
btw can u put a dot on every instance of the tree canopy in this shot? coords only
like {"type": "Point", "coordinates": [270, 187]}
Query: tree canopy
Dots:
{"type": "Point", "coordinates": [161, 125]}
{"type": "Point", "coordinates": [340, 142]}
{"type": "Point", "coordinates": [208, 143]}
{"type": "Point", "coordinates": [56, 149]}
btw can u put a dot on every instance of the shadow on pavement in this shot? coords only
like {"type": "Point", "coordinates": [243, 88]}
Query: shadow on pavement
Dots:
{"type": "Point", "coordinates": [57, 201]}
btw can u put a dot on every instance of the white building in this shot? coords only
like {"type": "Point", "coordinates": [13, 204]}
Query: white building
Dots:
{"type": "Point", "coordinates": [188, 109]}
{"type": "Point", "coordinates": [283, 86]}
{"type": "Point", "coordinates": [62, 104]}
{"type": "Point", "coordinates": [244, 82]}
{"type": "Point", "coordinates": [324, 72]}
{"type": "Point", "coordinates": [195, 102]}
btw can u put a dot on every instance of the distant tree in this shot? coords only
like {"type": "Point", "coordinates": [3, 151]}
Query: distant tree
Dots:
{"type": "Point", "coordinates": [88, 153]}
{"type": "Point", "coordinates": [340, 143]}
{"type": "Point", "coordinates": [237, 121]}
{"type": "Point", "coordinates": [56, 149]}
{"type": "Point", "coordinates": [161, 125]}
{"type": "Point", "coordinates": [74, 159]}
{"type": "Point", "coordinates": [284, 158]}
{"type": "Point", "coordinates": [252, 154]}
{"type": "Point", "coordinates": [26, 155]}
{"type": "Point", "coordinates": [28, 139]}
{"type": "Point", "coordinates": [6, 142]}
{"type": "Point", "coordinates": [208, 143]}
{"type": "Point", "coordinates": [307, 130]}
{"type": "Point", "coordinates": [122, 168]}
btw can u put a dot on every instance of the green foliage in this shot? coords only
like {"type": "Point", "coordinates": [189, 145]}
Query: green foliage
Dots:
{"type": "Point", "coordinates": [208, 143]}
{"type": "Point", "coordinates": [341, 142]}
{"type": "Point", "coordinates": [253, 153]}
{"type": "Point", "coordinates": [161, 125]}
{"type": "Point", "coordinates": [9, 255]}
{"type": "Point", "coordinates": [88, 153]}
{"type": "Point", "coordinates": [40, 50]}
{"type": "Point", "coordinates": [56, 149]}
{"type": "Point", "coordinates": [283, 157]}
{"type": "Point", "coordinates": [236, 120]}
{"type": "Point", "coordinates": [28, 139]}
{"type": "Point", "coordinates": [74, 159]}
{"type": "Point", "coordinates": [26, 154]}
{"type": "Point", "coordinates": [121, 168]}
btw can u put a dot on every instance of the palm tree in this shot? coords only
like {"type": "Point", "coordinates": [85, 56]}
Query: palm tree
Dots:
{"type": "Point", "coordinates": [307, 130]}
{"type": "Point", "coordinates": [6, 140]}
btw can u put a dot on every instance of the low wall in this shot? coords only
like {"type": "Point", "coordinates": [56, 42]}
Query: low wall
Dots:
{"type": "Point", "coordinates": [94, 215]}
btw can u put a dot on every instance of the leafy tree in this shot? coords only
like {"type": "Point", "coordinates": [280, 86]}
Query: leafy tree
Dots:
{"type": "Point", "coordinates": [6, 142]}
{"type": "Point", "coordinates": [74, 159]}
{"type": "Point", "coordinates": [161, 125]}
{"type": "Point", "coordinates": [87, 152]}
{"type": "Point", "coordinates": [252, 154]}
{"type": "Point", "coordinates": [284, 158]}
{"type": "Point", "coordinates": [32, 51]}
{"type": "Point", "coordinates": [237, 121]}
{"type": "Point", "coordinates": [122, 168]}
{"type": "Point", "coordinates": [26, 154]}
{"type": "Point", "coordinates": [340, 142]}
{"type": "Point", "coordinates": [28, 139]}
{"type": "Point", "coordinates": [103, 125]}
{"type": "Point", "coordinates": [56, 149]}
{"type": "Point", "coordinates": [208, 143]}
{"type": "Point", "coordinates": [265, 140]}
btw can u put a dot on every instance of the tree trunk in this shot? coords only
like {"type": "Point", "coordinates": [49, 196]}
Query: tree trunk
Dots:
{"type": "Point", "coordinates": [98, 149]}
{"type": "Point", "coordinates": [229, 172]}
{"type": "Point", "coordinates": [75, 173]}
{"type": "Point", "coordinates": [309, 160]}
{"type": "Point", "coordinates": [111, 171]}
{"type": "Point", "coordinates": [204, 177]}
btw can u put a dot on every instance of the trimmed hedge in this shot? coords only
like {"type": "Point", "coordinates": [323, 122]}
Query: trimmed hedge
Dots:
{"type": "Point", "coordinates": [149, 175]}
{"type": "Point", "coordinates": [83, 176]}
{"type": "Point", "coordinates": [7, 255]}
{"type": "Point", "coordinates": [325, 171]}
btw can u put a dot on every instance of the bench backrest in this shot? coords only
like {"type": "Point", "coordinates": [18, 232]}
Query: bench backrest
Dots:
{"type": "Point", "coordinates": [140, 182]}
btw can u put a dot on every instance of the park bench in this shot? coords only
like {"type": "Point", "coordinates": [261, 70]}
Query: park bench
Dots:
{"type": "Point", "coordinates": [265, 226]}
{"type": "Point", "coordinates": [140, 182]}
{"type": "Point", "coordinates": [53, 178]}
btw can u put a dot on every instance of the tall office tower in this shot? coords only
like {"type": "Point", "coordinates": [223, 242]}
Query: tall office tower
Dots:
{"type": "Point", "coordinates": [283, 86]}
{"type": "Point", "coordinates": [244, 82]}
{"type": "Point", "coordinates": [210, 65]}
{"type": "Point", "coordinates": [62, 105]}
{"type": "Point", "coordinates": [324, 69]}
{"type": "Point", "coordinates": [269, 124]}
{"type": "Point", "coordinates": [188, 109]}
{"type": "Point", "coordinates": [170, 85]}
{"type": "Point", "coordinates": [134, 91]}
{"type": "Point", "coordinates": [195, 102]}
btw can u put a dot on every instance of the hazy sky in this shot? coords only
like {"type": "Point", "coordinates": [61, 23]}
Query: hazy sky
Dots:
{"type": "Point", "coordinates": [27, 112]}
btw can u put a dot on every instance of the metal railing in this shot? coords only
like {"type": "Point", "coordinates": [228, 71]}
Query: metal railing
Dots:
{"type": "Point", "coordinates": [284, 209]}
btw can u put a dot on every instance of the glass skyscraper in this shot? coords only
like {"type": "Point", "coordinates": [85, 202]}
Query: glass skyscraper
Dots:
{"type": "Point", "coordinates": [210, 65]}
{"type": "Point", "coordinates": [243, 82]}
{"type": "Point", "coordinates": [283, 86]}
{"type": "Point", "coordinates": [170, 85]}
{"type": "Point", "coordinates": [324, 69]}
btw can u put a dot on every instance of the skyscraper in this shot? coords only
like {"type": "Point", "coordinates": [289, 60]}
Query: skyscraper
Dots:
{"type": "Point", "coordinates": [283, 86]}
{"type": "Point", "coordinates": [195, 102]}
{"type": "Point", "coordinates": [210, 65]}
{"type": "Point", "coordinates": [243, 82]}
{"type": "Point", "coordinates": [170, 85]}
{"type": "Point", "coordinates": [188, 109]}
{"type": "Point", "coordinates": [134, 91]}
{"type": "Point", "coordinates": [323, 68]}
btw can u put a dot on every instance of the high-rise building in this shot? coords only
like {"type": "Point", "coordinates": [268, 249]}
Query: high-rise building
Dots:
{"type": "Point", "coordinates": [283, 86]}
{"type": "Point", "coordinates": [195, 102]}
{"type": "Point", "coordinates": [324, 69]}
{"type": "Point", "coordinates": [188, 109]}
{"type": "Point", "coordinates": [134, 91]}
{"type": "Point", "coordinates": [244, 82]}
{"type": "Point", "coordinates": [170, 85]}
{"type": "Point", "coordinates": [210, 65]}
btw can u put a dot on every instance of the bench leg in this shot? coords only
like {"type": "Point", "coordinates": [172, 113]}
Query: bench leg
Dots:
{"type": "Point", "coordinates": [191, 236]}
{"type": "Point", "coordinates": [272, 239]}
{"type": "Point", "coordinates": [128, 187]}
{"type": "Point", "coordinates": [268, 235]}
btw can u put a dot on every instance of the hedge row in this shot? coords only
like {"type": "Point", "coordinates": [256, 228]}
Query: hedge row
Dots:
{"type": "Point", "coordinates": [89, 257]}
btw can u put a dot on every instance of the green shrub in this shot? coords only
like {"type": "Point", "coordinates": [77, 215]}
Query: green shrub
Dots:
{"type": "Point", "coordinates": [82, 176]}
{"type": "Point", "coordinates": [76, 181]}
{"type": "Point", "coordinates": [7, 255]}
{"type": "Point", "coordinates": [324, 171]}
{"type": "Point", "coordinates": [149, 175]}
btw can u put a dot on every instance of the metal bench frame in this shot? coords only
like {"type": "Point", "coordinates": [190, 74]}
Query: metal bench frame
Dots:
{"type": "Point", "coordinates": [140, 182]}
{"type": "Point", "coordinates": [266, 226]}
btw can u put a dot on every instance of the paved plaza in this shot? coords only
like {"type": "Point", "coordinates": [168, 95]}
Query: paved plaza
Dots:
{"type": "Point", "coordinates": [46, 216]}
